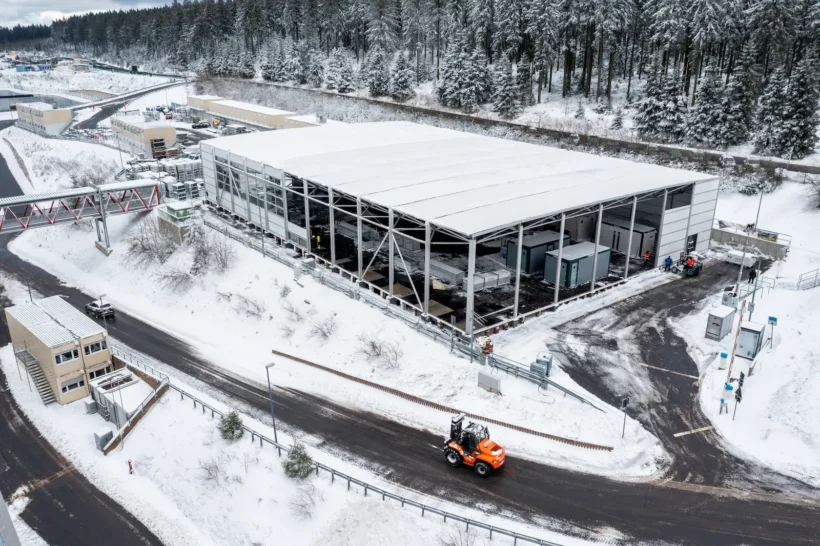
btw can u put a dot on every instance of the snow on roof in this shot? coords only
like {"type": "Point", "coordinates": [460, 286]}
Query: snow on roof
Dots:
{"type": "Point", "coordinates": [578, 250]}
{"type": "Point", "coordinates": [753, 326]}
{"type": "Point", "coordinates": [540, 238]}
{"type": "Point", "coordinates": [123, 388]}
{"type": "Point", "coordinates": [205, 97]}
{"type": "Point", "coordinates": [54, 321]}
{"type": "Point", "coordinates": [45, 196]}
{"type": "Point", "coordinates": [253, 108]}
{"type": "Point", "coordinates": [722, 311]}
{"type": "Point", "coordinates": [313, 118]}
{"type": "Point", "coordinates": [128, 185]}
{"type": "Point", "coordinates": [468, 183]}
{"type": "Point", "coordinates": [139, 121]}
{"type": "Point", "coordinates": [38, 105]}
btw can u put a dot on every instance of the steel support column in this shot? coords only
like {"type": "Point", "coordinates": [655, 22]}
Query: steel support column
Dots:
{"type": "Point", "coordinates": [283, 180]}
{"type": "Point", "coordinates": [391, 252]}
{"type": "Point", "coordinates": [359, 242]}
{"type": "Point", "coordinates": [660, 225]}
{"type": "Point", "coordinates": [104, 221]}
{"type": "Point", "coordinates": [428, 236]}
{"type": "Point", "coordinates": [688, 222]}
{"type": "Point", "coordinates": [309, 244]}
{"type": "Point", "coordinates": [597, 242]}
{"type": "Point", "coordinates": [332, 226]}
{"type": "Point", "coordinates": [631, 236]}
{"type": "Point", "coordinates": [518, 268]}
{"type": "Point", "coordinates": [560, 257]}
{"type": "Point", "coordinates": [468, 321]}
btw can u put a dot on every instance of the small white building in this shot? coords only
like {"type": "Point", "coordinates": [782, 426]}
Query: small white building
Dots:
{"type": "Point", "coordinates": [43, 118]}
{"type": "Point", "coordinates": [152, 139]}
{"type": "Point", "coordinates": [119, 395]}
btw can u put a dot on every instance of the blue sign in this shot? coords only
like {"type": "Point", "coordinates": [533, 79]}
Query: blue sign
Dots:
{"type": "Point", "coordinates": [773, 321]}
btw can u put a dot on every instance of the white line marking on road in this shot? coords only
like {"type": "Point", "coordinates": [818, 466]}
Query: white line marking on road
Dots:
{"type": "Point", "coordinates": [704, 429]}
{"type": "Point", "coordinates": [668, 371]}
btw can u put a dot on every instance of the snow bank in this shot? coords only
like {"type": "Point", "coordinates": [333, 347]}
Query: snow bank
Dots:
{"type": "Point", "coordinates": [64, 79]}
{"type": "Point", "coordinates": [59, 164]}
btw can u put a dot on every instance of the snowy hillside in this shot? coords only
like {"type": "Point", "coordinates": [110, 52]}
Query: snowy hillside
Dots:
{"type": "Point", "coordinates": [64, 79]}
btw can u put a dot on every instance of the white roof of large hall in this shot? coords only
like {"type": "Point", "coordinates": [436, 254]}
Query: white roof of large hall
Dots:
{"type": "Point", "coordinates": [468, 183]}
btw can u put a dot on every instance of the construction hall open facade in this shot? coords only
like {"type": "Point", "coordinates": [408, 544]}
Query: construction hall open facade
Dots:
{"type": "Point", "coordinates": [468, 231]}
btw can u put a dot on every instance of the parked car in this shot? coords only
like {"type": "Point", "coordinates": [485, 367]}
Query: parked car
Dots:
{"type": "Point", "coordinates": [200, 125]}
{"type": "Point", "coordinates": [98, 310]}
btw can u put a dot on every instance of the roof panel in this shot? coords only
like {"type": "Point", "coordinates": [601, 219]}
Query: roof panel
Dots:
{"type": "Point", "coordinates": [54, 321]}
{"type": "Point", "coordinates": [468, 183]}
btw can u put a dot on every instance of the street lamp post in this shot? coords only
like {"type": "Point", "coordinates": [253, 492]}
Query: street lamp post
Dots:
{"type": "Point", "coordinates": [270, 396]}
{"type": "Point", "coordinates": [102, 314]}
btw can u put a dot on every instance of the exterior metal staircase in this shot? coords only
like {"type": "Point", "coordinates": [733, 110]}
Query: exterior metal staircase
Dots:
{"type": "Point", "coordinates": [37, 376]}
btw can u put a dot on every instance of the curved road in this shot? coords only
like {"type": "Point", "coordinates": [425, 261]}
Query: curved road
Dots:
{"type": "Point", "coordinates": [65, 509]}
{"type": "Point", "coordinates": [570, 502]}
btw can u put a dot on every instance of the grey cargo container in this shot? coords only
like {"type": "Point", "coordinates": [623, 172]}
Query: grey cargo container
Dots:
{"type": "Point", "coordinates": [576, 264]}
{"type": "Point", "coordinates": [615, 233]}
{"type": "Point", "coordinates": [535, 248]}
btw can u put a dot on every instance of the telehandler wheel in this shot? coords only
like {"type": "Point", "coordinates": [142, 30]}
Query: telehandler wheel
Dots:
{"type": "Point", "coordinates": [452, 457]}
{"type": "Point", "coordinates": [483, 469]}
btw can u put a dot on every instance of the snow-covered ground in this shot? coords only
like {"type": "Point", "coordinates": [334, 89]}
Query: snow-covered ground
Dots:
{"type": "Point", "coordinates": [191, 487]}
{"type": "Point", "coordinates": [52, 163]}
{"type": "Point", "coordinates": [213, 315]}
{"type": "Point", "coordinates": [777, 421]}
{"type": "Point", "coordinates": [165, 97]}
{"type": "Point", "coordinates": [63, 80]}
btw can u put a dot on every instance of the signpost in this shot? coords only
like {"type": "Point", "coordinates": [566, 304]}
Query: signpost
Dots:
{"type": "Point", "coordinates": [624, 404]}
{"type": "Point", "coordinates": [738, 398]}
{"type": "Point", "coordinates": [773, 322]}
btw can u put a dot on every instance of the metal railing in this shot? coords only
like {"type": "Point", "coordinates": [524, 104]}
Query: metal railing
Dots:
{"type": "Point", "coordinates": [135, 360]}
{"type": "Point", "coordinates": [369, 488]}
{"type": "Point", "coordinates": [137, 414]}
{"type": "Point", "coordinates": [809, 279]}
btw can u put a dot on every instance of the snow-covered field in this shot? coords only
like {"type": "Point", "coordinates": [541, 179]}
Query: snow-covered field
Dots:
{"type": "Point", "coordinates": [52, 163]}
{"type": "Point", "coordinates": [64, 80]}
{"type": "Point", "coordinates": [165, 97]}
{"type": "Point", "coordinates": [777, 421]}
{"type": "Point", "coordinates": [191, 487]}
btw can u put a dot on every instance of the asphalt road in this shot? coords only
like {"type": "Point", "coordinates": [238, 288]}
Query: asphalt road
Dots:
{"type": "Point", "coordinates": [66, 510]}
{"type": "Point", "coordinates": [574, 503]}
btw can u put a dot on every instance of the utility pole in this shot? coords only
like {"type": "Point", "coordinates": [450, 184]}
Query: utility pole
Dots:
{"type": "Point", "coordinates": [8, 535]}
{"type": "Point", "coordinates": [270, 395]}
{"type": "Point", "coordinates": [746, 243]}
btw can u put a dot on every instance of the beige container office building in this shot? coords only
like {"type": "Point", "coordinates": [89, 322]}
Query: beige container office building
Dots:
{"type": "Point", "coordinates": [231, 111]}
{"type": "Point", "coordinates": [154, 139]}
{"type": "Point", "coordinates": [42, 118]}
{"type": "Point", "coordinates": [69, 348]}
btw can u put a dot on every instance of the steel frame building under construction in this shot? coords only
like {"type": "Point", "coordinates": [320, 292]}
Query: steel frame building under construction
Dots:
{"type": "Point", "coordinates": [419, 203]}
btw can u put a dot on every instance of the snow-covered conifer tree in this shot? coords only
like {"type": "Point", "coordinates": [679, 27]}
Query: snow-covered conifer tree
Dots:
{"type": "Point", "coordinates": [739, 101]}
{"type": "Point", "coordinates": [703, 122]}
{"type": "Point", "coordinates": [524, 81]}
{"type": "Point", "coordinates": [799, 134]}
{"type": "Point", "coordinates": [769, 124]}
{"type": "Point", "coordinates": [377, 73]}
{"type": "Point", "coordinates": [315, 69]}
{"type": "Point", "coordinates": [402, 79]}
{"type": "Point", "coordinates": [506, 93]}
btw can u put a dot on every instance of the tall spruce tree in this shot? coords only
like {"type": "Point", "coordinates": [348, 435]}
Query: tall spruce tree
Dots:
{"type": "Point", "coordinates": [506, 93]}
{"type": "Point", "coordinates": [650, 108]}
{"type": "Point", "coordinates": [769, 125]}
{"type": "Point", "coordinates": [703, 122]}
{"type": "Point", "coordinates": [738, 104]}
{"type": "Point", "coordinates": [799, 134]}
{"type": "Point", "coordinates": [673, 117]}
{"type": "Point", "coordinates": [524, 81]}
{"type": "Point", "coordinates": [345, 80]}
{"type": "Point", "coordinates": [402, 79]}
{"type": "Point", "coordinates": [315, 69]}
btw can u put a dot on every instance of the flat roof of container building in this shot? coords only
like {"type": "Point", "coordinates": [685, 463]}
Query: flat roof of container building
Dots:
{"type": "Point", "coordinates": [205, 97]}
{"type": "Point", "coordinates": [54, 321]}
{"type": "Point", "coordinates": [253, 108]}
{"type": "Point", "coordinates": [38, 105]}
{"type": "Point", "coordinates": [578, 250]}
{"type": "Point", "coordinates": [537, 239]}
{"type": "Point", "coordinates": [467, 183]}
{"type": "Point", "coordinates": [624, 223]}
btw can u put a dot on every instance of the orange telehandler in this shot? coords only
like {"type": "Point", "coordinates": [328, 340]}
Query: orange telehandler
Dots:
{"type": "Point", "coordinates": [471, 445]}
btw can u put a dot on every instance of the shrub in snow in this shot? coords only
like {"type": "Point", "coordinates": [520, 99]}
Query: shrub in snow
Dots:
{"type": "Point", "coordinates": [302, 503]}
{"type": "Point", "coordinates": [401, 79]}
{"type": "Point", "coordinates": [387, 352]}
{"type": "Point", "coordinates": [618, 121]}
{"type": "Point", "coordinates": [299, 464]}
{"type": "Point", "coordinates": [212, 471]}
{"type": "Point", "coordinates": [506, 93]}
{"type": "Point", "coordinates": [323, 328]}
{"type": "Point", "coordinates": [580, 112]}
{"type": "Point", "coordinates": [284, 291]}
{"type": "Point", "coordinates": [174, 278]}
{"type": "Point", "coordinates": [459, 536]}
{"type": "Point", "coordinates": [294, 313]}
{"type": "Point", "coordinates": [230, 426]}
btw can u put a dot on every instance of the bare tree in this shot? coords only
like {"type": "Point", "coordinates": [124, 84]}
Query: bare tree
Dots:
{"type": "Point", "coordinates": [323, 328]}
{"type": "Point", "coordinates": [284, 291]}
{"type": "Point", "coordinates": [294, 313]}
{"type": "Point", "coordinates": [459, 536]}
{"type": "Point", "coordinates": [287, 331]}
{"type": "Point", "coordinates": [224, 253]}
{"type": "Point", "coordinates": [212, 471]}
{"type": "Point", "coordinates": [252, 307]}
{"type": "Point", "coordinates": [174, 278]}
{"type": "Point", "coordinates": [147, 244]}
{"type": "Point", "coordinates": [302, 503]}
{"type": "Point", "coordinates": [388, 353]}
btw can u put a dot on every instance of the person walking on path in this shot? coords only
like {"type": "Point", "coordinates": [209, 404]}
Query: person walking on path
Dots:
{"type": "Point", "coordinates": [752, 275]}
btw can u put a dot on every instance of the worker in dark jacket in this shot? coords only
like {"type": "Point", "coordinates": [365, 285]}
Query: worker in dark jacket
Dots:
{"type": "Point", "coordinates": [667, 263]}
{"type": "Point", "coordinates": [752, 275]}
